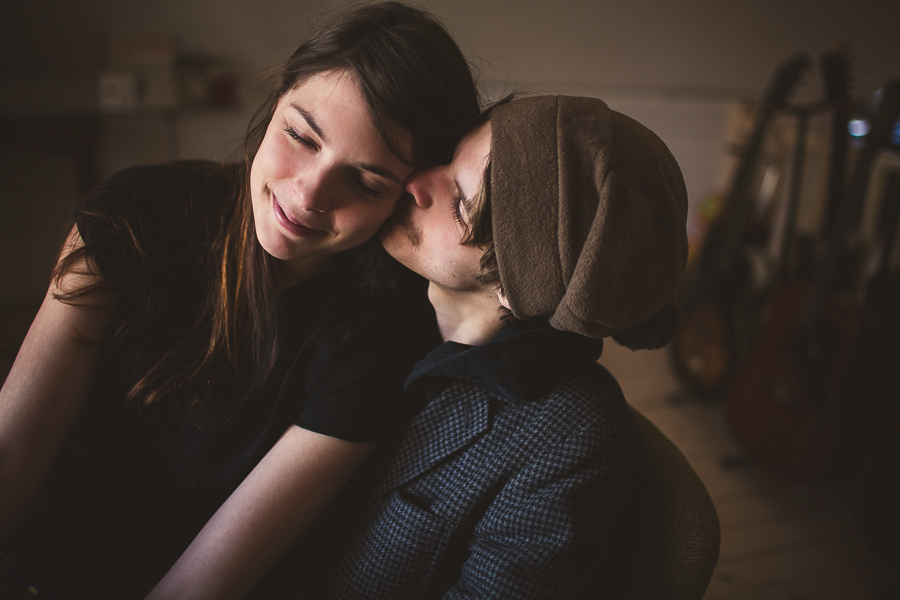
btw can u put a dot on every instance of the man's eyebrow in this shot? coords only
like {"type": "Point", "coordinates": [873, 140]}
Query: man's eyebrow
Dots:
{"type": "Point", "coordinates": [310, 120]}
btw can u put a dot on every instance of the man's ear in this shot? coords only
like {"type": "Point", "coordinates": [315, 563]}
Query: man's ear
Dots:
{"type": "Point", "coordinates": [503, 300]}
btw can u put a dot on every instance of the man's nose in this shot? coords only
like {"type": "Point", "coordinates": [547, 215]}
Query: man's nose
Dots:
{"type": "Point", "coordinates": [422, 184]}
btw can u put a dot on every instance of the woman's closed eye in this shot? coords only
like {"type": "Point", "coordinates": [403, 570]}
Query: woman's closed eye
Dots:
{"type": "Point", "coordinates": [376, 191]}
{"type": "Point", "coordinates": [301, 138]}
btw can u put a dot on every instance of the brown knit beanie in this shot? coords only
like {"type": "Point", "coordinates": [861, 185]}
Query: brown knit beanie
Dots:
{"type": "Point", "coordinates": [589, 214]}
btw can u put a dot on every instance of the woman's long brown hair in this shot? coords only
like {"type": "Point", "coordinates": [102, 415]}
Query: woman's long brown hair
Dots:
{"type": "Point", "coordinates": [414, 78]}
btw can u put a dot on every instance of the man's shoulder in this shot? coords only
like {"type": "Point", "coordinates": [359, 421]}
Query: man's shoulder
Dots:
{"type": "Point", "coordinates": [587, 397]}
{"type": "Point", "coordinates": [589, 405]}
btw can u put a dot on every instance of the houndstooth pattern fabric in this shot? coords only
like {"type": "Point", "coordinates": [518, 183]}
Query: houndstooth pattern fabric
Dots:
{"type": "Point", "coordinates": [490, 499]}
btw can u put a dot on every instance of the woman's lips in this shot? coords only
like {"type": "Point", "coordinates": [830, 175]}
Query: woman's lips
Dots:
{"type": "Point", "coordinates": [297, 228]}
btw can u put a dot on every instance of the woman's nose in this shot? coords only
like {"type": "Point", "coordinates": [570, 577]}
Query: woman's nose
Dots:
{"type": "Point", "coordinates": [314, 190]}
{"type": "Point", "coordinates": [422, 184]}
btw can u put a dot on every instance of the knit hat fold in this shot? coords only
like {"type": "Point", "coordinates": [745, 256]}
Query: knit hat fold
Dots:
{"type": "Point", "coordinates": [589, 211]}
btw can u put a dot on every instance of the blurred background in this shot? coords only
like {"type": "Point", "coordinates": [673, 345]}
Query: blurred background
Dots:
{"type": "Point", "coordinates": [88, 87]}
{"type": "Point", "coordinates": [679, 67]}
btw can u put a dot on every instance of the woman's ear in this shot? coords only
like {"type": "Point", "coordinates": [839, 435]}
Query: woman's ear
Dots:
{"type": "Point", "coordinates": [503, 301]}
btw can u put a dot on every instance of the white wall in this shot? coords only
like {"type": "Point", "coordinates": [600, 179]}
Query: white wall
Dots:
{"type": "Point", "coordinates": [675, 65]}
{"type": "Point", "coordinates": [639, 45]}
{"type": "Point", "coordinates": [643, 56]}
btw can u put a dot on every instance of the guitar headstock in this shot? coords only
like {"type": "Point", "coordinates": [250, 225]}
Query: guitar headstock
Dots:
{"type": "Point", "coordinates": [886, 115]}
{"type": "Point", "coordinates": [787, 76]}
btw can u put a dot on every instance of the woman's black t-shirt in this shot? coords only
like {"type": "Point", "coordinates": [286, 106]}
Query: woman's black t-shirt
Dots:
{"type": "Point", "coordinates": [135, 485]}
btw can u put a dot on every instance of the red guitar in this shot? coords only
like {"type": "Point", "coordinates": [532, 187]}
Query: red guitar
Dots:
{"type": "Point", "coordinates": [782, 404]}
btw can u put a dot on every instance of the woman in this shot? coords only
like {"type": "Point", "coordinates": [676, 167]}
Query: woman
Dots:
{"type": "Point", "coordinates": [241, 374]}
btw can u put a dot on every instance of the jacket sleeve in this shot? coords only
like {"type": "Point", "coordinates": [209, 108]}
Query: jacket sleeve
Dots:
{"type": "Point", "coordinates": [552, 529]}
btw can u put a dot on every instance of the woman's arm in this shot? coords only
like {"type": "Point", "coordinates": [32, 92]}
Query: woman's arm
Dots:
{"type": "Point", "coordinates": [46, 389]}
{"type": "Point", "coordinates": [273, 506]}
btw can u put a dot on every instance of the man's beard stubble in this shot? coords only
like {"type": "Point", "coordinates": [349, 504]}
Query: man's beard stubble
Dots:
{"type": "Point", "coordinates": [403, 214]}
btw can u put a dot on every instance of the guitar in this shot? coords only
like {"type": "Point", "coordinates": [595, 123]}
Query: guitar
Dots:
{"type": "Point", "coordinates": [748, 318]}
{"type": "Point", "coordinates": [803, 250]}
{"type": "Point", "coordinates": [783, 403]}
{"type": "Point", "coordinates": [703, 352]}
{"type": "Point", "coordinates": [749, 310]}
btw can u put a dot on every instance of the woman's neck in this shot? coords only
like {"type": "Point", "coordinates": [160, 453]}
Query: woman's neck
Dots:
{"type": "Point", "coordinates": [470, 317]}
{"type": "Point", "coordinates": [298, 270]}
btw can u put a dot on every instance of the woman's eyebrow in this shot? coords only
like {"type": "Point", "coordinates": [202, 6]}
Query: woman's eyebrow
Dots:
{"type": "Point", "coordinates": [382, 171]}
{"type": "Point", "coordinates": [310, 120]}
{"type": "Point", "coordinates": [314, 125]}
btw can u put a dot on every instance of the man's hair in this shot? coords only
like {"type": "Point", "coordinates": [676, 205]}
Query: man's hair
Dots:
{"type": "Point", "coordinates": [479, 224]}
{"type": "Point", "coordinates": [480, 232]}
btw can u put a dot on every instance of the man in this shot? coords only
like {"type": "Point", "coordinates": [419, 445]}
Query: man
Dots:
{"type": "Point", "coordinates": [559, 222]}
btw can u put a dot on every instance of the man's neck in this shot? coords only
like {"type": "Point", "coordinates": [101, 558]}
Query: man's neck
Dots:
{"type": "Point", "coordinates": [469, 317]}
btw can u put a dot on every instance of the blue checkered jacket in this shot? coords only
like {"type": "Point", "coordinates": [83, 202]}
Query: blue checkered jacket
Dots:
{"type": "Point", "coordinates": [508, 484]}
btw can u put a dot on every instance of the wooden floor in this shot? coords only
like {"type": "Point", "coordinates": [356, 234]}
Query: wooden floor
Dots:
{"type": "Point", "coordinates": [780, 541]}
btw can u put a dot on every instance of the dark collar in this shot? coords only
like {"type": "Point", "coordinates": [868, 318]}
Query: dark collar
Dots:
{"type": "Point", "coordinates": [522, 363]}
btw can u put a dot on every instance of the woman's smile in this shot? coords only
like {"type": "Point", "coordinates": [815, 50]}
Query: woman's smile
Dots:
{"type": "Point", "coordinates": [295, 226]}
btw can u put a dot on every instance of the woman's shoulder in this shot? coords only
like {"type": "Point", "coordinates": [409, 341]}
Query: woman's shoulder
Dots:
{"type": "Point", "coordinates": [154, 214]}
{"type": "Point", "coordinates": [175, 173]}
{"type": "Point", "coordinates": [172, 187]}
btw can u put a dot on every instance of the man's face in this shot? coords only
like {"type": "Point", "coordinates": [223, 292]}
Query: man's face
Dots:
{"type": "Point", "coordinates": [426, 232]}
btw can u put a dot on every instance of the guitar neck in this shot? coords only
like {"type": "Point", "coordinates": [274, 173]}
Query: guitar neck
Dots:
{"type": "Point", "coordinates": [740, 198]}
{"type": "Point", "coordinates": [836, 69]}
{"type": "Point", "coordinates": [851, 204]}
{"type": "Point", "coordinates": [803, 115]}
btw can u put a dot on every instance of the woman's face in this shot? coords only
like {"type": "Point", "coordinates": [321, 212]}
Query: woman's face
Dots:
{"type": "Point", "coordinates": [323, 179]}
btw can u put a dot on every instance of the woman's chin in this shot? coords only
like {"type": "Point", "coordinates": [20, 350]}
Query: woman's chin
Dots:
{"type": "Point", "coordinates": [277, 246]}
